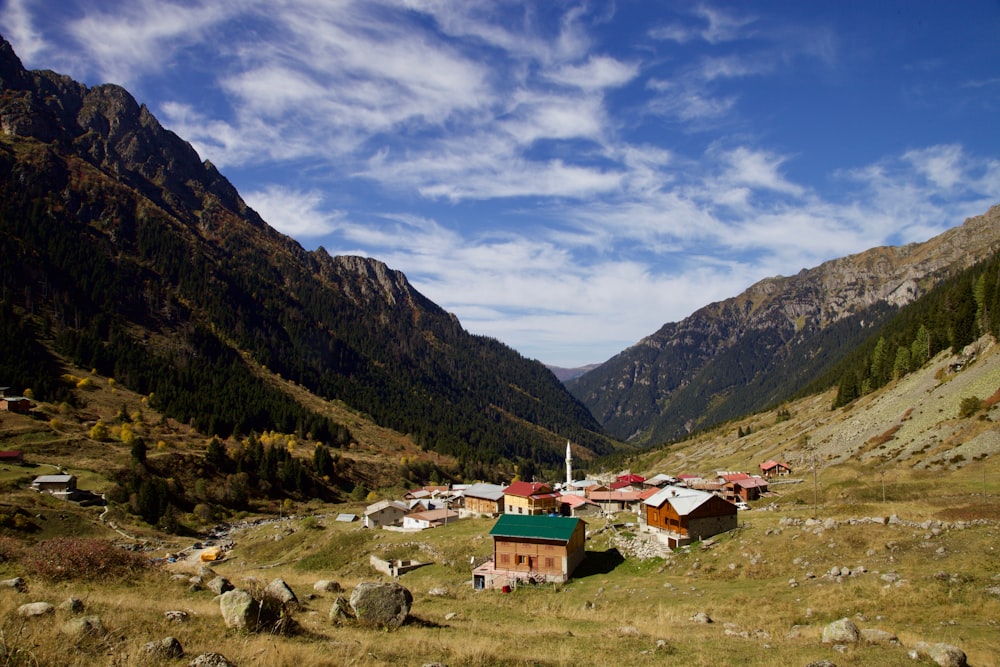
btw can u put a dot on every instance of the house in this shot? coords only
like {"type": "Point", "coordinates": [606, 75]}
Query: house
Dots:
{"type": "Point", "coordinates": [772, 468]}
{"type": "Point", "coordinates": [660, 480]}
{"type": "Point", "coordinates": [571, 504]}
{"type": "Point", "coordinates": [682, 515]}
{"type": "Point", "coordinates": [428, 519]}
{"type": "Point", "coordinates": [15, 457]}
{"type": "Point", "coordinates": [747, 489]}
{"type": "Point", "coordinates": [531, 548]}
{"type": "Point", "coordinates": [57, 485]}
{"type": "Point", "coordinates": [629, 479]}
{"type": "Point", "coordinates": [530, 498]}
{"type": "Point", "coordinates": [384, 513]}
{"type": "Point", "coordinates": [617, 501]}
{"type": "Point", "coordinates": [18, 404]}
{"type": "Point", "coordinates": [484, 500]}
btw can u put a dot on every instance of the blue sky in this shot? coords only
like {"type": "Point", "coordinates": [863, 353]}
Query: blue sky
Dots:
{"type": "Point", "coordinates": [565, 176]}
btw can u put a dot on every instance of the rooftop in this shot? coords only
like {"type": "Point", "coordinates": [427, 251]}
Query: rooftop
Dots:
{"type": "Point", "coordinates": [537, 527]}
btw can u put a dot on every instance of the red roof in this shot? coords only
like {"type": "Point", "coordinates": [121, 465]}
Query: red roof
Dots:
{"type": "Point", "coordinates": [687, 475]}
{"type": "Point", "coordinates": [735, 476]}
{"type": "Point", "coordinates": [767, 465]}
{"type": "Point", "coordinates": [527, 489]}
{"type": "Point", "coordinates": [631, 479]}
{"type": "Point", "coordinates": [620, 484]}
{"type": "Point", "coordinates": [622, 496]}
{"type": "Point", "coordinates": [574, 500]}
{"type": "Point", "coordinates": [751, 483]}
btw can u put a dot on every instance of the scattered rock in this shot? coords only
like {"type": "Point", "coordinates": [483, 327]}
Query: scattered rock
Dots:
{"type": "Point", "coordinates": [34, 609]}
{"type": "Point", "coordinates": [450, 616]}
{"type": "Point", "coordinates": [628, 631]}
{"type": "Point", "coordinates": [944, 655]}
{"type": "Point", "coordinates": [166, 648]}
{"type": "Point", "coordinates": [821, 663]}
{"type": "Point", "coordinates": [327, 586]}
{"type": "Point", "coordinates": [176, 615]}
{"type": "Point", "coordinates": [841, 631]}
{"type": "Point", "coordinates": [73, 605]}
{"type": "Point", "coordinates": [701, 617]}
{"type": "Point", "coordinates": [85, 626]}
{"type": "Point", "coordinates": [17, 583]}
{"type": "Point", "coordinates": [876, 636]}
{"type": "Point", "coordinates": [438, 592]}
{"type": "Point", "coordinates": [219, 585]}
{"type": "Point", "coordinates": [239, 609]}
{"type": "Point", "coordinates": [211, 660]}
{"type": "Point", "coordinates": [381, 605]}
{"type": "Point", "coordinates": [340, 610]}
{"type": "Point", "coordinates": [280, 592]}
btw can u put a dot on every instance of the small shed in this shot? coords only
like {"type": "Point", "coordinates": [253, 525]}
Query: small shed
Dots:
{"type": "Point", "coordinates": [57, 485]}
{"type": "Point", "coordinates": [772, 468]}
{"type": "Point", "coordinates": [14, 456]}
{"type": "Point", "coordinates": [384, 513]}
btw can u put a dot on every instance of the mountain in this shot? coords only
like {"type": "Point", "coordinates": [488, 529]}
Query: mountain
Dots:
{"type": "Point", "coordinates": [121, 250]}
{"type": "Point", "coordinates": [567, 374]}
{"type": "Point", "coordinates": [755, 350]}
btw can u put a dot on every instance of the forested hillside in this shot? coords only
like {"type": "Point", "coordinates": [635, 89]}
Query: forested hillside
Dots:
{"type": "Point", "coordinates": [121, 250]}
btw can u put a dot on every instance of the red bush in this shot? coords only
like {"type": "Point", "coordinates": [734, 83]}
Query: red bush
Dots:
{"type": "Point", "coordinates": [63, 558]}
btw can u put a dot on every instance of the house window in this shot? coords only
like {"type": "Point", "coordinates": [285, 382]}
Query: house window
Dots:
{"type": "Point", "coordinates": [549, 563]}
{"type": "Point", "coordinates": [505, 559]}
{"type": "Point", "coordinates": [522, 559]}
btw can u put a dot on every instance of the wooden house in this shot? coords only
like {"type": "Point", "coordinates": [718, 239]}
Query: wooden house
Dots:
{"type": "Point", "coordinates": [772, 469]}
{"type": "Point", "coordinates": [15, 457]}
{"type": "Point", "coordinates": [384, 513]}
{"type": "Point", "coordinates": [571, 504]}
{"type": "Point", "coordinates": [57, 485]}
{"type": "Point", "coordinates": [484, 500]}
{"type": "Point", "coordinates": [429, 519]}
{"type": "Point", "coordinates": [532, 498]}
{"type": "Point", "coordinates": [684, 515]}
{"type": "Point", "coordinates": [747, 489]}
{"type": "Point", "coordinates": [532, 548]}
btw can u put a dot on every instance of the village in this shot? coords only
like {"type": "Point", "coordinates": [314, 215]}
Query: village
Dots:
{"type": "Point", "coordinates": [540, 530]}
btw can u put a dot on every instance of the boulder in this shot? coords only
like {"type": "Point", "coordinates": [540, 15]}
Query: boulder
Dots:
{"type": "Point", "coordinates": [176, 615]}
{"type": "Point", "coordinates": [73, 605]}
{"type": "Point", "coordinates": [219, 585]}
{"type": "Point", "coordinates": [239, 609]}
{"type": "Point", "coordinates": [281, 593]}
{"type": "Point", "coordinates": [842, 631]}
{"type": "Point", "coordinates": [381, 605]}
{"type": "Point", "coordinates": [340, 610]}
{"type": "Point", "coordinates": [34, 609]}
{"type": "Point", "coordinates": [17, 583]}
{"type": "Point", "coordinates": [327, 586]}
{"type": "Point", "coordinates": [211, 660]}
{"type": "Point", "coordinates": [875, 636]}
{"type": "Point", "coordinates": [84, 626]}
{"type": "Point", "coordinates": [701, 617]}
{"type": "Point", "coordinates": [165, 649]}
{"type": "Point", "coordinates": [438, 592]}
{"type": "Point", "coordinates": [944, 655]}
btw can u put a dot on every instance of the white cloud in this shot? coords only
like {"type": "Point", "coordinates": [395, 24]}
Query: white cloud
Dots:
{"type": "Point", "coordinates": [19, 29]}
{"type": "Point", "coordinates": [597, 73]}
{"type": "Point", "coordinates": [297, 213]}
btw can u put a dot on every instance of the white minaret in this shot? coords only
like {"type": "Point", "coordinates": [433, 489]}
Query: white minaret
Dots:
{"type": "Point", "coordinates": [569, 465]}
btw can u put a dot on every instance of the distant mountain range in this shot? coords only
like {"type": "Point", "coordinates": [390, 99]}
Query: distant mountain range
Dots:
{"type": "Point", "coordinates": [762, 347]}
{"type": "Point", "coordinates": [121, 250]}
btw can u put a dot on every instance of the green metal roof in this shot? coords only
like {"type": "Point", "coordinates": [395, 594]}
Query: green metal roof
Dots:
{"type": "Point", "coordinates": [537, 527]}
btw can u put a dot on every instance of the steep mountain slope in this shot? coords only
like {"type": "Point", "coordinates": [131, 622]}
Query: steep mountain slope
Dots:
{"type": "Point", "coordinates": [122, 250]}
{"type": "Point", "coordinates": [741, 355]}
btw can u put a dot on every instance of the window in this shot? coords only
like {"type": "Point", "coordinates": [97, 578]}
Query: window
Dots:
{"type": "Point", "coordinates": [505, 559]}
{"type": "Point", "coordinates": [549, 563]}
{"type": "Point", "coordinates": [522, 559]}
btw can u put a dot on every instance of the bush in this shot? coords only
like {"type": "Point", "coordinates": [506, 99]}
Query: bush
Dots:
{"type": "Point", "coordinates": [65, 558]}
{"type": "Point", "coordinates": [969, 406]}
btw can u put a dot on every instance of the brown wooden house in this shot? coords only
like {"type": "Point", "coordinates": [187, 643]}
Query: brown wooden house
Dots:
{"type": "Point", "coordinates": [530, 548]}
{"type": "Point", "coordinates": [531, 498]}
{"type": "Point", "coordinates": [772, 468]}
{"type": "Point", "coordinates": [484, 500]}
{"type": "Point", "coordinates": [686, 515]}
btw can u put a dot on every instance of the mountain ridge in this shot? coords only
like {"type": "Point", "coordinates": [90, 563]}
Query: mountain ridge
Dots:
{"type": "Point", "coordinates": [130, 254]}
{"type": "Point", "coordinates": [714, 364]}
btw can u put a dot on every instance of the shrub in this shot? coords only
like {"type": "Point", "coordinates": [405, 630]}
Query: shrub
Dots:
{"type": "Point", "coordinates": [969, 406]}
{"type": "Point", "coordinates": [65, 558]}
